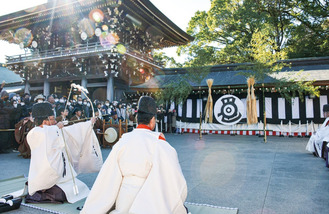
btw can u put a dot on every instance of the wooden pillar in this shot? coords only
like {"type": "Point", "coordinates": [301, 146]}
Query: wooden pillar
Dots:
{"type": "Point", "coordinates": [110, 88]}
{"type": "Point", "coordinates": [46, 88]}
{"type": "Point", "coordinates": [27, 87]}
{"type": "Point", "coordinates": [84, 84]}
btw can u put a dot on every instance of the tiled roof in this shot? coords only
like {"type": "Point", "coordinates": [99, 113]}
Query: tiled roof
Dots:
{"type": "Point", "coordinates": [9, 76]}
{"type": "Point", "coordinates": [227, 75]}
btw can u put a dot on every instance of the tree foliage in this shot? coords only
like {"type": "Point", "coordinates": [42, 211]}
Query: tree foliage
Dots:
{"type": "Point", "coordinates": [296, 85]}
{"type": "Point", "coordinates": [168, 62]}
{"type": "Point", "coordinates": [260, 33]}
{"type": "Point", "coordinates": [181, 88]}
{"type": "Point", "coordinates": [196, 74]}
{"type": "Point", "coordinates": [223, 34]}
{"type": "Point", "coordinates": [265, 58]}
{"type": "Point", "coordinates": [268, 62]}
{"type": "Point", "coordinates": [176, 91]}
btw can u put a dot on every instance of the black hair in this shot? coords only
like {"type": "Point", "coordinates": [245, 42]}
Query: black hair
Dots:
{"type": "Point", "coordinates": [51, 96]}
{"type": "Point", "coordinates": [60, 110]}
{"type": "Point", "coordinates": [143, 118]}
{"type": "Point", "coordinates": [39, 120]}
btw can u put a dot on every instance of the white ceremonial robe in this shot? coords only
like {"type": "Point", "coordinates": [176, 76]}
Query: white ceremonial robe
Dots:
{"type": "Point", "coordinates": [316, 141]}
{"type": "Point", "coordinates": [50, 164]}
{"type": "Point", "coordinates": [141, 175]}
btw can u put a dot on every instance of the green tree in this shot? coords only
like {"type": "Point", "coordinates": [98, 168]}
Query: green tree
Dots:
{"type": "Point", "coordinates": [309, 34]}
{"type": "Point", "coordinates": [166, 61]}
{"type": "Point", "coordinates": [223, 34]}
{"type": "Point", "coordinates": [179, 89]}
{"type": "Point", "coordinates": [268, 61]}
{"type": "Point", "coordinates": [176, 91]}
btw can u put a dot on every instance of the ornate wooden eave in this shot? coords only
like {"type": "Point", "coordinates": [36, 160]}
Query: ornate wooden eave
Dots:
{"type": "Point", "coordinates": [156, 18]}
{"type": "Point", "coordinates": [169, 34]}
{"type": "Point", "coordinates": [65, 40]}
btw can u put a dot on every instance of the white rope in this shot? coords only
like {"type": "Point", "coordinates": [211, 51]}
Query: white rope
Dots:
{"type": "Point", "coordinates": [212, 206]}
{"type": "Point", "coordinates": [40, 208]}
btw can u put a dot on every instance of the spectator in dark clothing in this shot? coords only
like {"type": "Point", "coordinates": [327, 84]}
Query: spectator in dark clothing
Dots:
{"type": "Point", "coordinates": [24, 109]}
{"type": "Point", "coordinates": [51, 100]}
{"type": "Point", "coordinates": [60, 105]}
{"type": "Point", "coordinates": [169, 121]}
{"type": "Point", "coordinates": [79, 103]}
{"type": "Point", "coordinates": [21, 130]}
{"type": "Point", "coordinates": [14, 118]}
{"type": "Point", "coordinates": [107, 110]}
{"type": "Point", "coordinates": [173, 121]}
{"type": "Point", "coordinates": [5, 110]}
{"type": "Point", "coordinates": [160, 118]}
{"type": "Point", "coordinates": [26, 99]}
{"type": "Point", "coordinates": [86, 109]}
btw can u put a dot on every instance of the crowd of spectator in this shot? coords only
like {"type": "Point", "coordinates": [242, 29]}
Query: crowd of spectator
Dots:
{"type": "Point", "coordinates": [16, 107]}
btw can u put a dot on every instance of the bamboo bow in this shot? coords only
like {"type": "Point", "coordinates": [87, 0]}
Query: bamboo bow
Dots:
{"type": "Point", "coordinates": [84, 91]}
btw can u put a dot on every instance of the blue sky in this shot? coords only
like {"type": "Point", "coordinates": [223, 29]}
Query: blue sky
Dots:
{"type": "Point", "coordinates": [179, 11]}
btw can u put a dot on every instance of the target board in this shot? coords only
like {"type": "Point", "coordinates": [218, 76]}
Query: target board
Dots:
{"type": "Point", "coordinates": [228, 110]}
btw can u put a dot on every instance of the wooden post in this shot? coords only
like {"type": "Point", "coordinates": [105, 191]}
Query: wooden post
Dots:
{"type": "Point", "coordinates": [264, 110]}
{"type": "Point", "coordinates": [103, 132]}
{"type": "Point", "coordinates": [120, 128]}
{"type": "Point", "coordinates": [200, 126]}
{"type": "Point", "coordinates": [200, 134]}
{"type": "Point", "coordinates": [126, 126]}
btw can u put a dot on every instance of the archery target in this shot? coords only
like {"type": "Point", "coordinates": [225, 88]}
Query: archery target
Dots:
{"type": "Point", "coordinates": [228, 110]}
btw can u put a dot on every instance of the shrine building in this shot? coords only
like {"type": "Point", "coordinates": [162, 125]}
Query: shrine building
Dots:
{"type": "Point", "coordinates": [104, 45]}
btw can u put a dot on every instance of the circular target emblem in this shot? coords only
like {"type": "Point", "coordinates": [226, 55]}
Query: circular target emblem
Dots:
{"type": "Point", "coordinates": [228, 110]}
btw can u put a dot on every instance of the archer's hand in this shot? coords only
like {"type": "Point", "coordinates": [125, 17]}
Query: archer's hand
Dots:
{"type": "Point", "coordinates": [93, 120]}
{"type": "Point", "coordinates": [25, 120]}
{"type": "Point", "coordinates": [60, 125]}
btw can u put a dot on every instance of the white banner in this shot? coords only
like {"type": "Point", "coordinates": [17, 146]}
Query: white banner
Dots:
{"type": "Point", "coordinates": [295, 107]}
{"type": "Point", "coordinates": [268, 107]}
{"type": "Point", "coordinates": [189, 108]}
{"type": "Point", "coordinates": [198, 107]}
{"type": "Point", "coordinates": [281, 108]}
{"type": "Point", "coordinates": [309, 107]}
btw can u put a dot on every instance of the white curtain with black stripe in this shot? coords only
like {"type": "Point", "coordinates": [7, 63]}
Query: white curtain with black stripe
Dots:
{"type": "Point", "coordinates": [295, 108]}
{"type": "Point", "coordinates": [268, 107]}
{"type": "Point", "coordinates": [309, 107]}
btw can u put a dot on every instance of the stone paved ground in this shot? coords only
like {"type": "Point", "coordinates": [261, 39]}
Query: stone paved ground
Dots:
{"type": "Point", "coordinates": [236, 171]}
